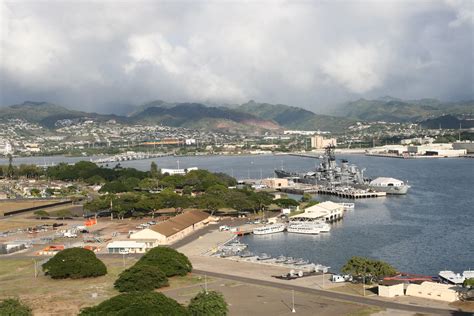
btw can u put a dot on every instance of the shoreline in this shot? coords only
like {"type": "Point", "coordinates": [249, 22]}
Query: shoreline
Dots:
{"type": "Point", "coordinates": [263, 275]}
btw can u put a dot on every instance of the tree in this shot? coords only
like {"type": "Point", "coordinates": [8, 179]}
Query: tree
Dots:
{"type": "Point", "coordinates": [41, 213]}
{"type": "Point", "coordinates": [63, 213]}
{"type": "Point", "coordinates": [154, 171]}
{"type": "Point", "coordinates": [369, 269]}
{"type": "Point", "coordinates": [74, 263]}
{"type": "Point", "coordinates": [260, 199]}
{"type": "Point", "coordinates": [286, 202]}
{"type": "Point", "coordinates": [306, 197]}
{"type": "Point", "coordinates": [35, 192]}
{"type": "Point", "coordinates": [95, 179]}
{"type": "Point", "coordinates": [141, 277]}
{"type": "Point", "coordinates": [13, 307]}
{"type": "Point", "coordinates": [10, 169]}
{"type": "Point", "coordinates": [209, 303]}
{"type": "Point", "coordinates": [137, 303]}
{"type": "Point", "coordinates": [468, 282]}
{"type": "Point", "coordinates": [170, 261]}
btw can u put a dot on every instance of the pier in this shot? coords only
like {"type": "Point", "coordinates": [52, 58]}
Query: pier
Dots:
{"type": "Point", "coordinates": [348, 193]}
{"type": "Point", "coordinates": [353, 194]}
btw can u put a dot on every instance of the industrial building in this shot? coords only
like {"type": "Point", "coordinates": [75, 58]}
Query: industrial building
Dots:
{"type": "Point", "coordinates": [173, 229]}
{"type": "Point", "coordinates": [319, 142]}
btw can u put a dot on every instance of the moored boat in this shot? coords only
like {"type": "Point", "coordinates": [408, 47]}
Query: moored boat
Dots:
{"type": "Point", "coordinates": [269, 229]}
{"type": "Point", "coordinates": [264, 256]}
{"type": "Point", "coordinates": [312, 228]}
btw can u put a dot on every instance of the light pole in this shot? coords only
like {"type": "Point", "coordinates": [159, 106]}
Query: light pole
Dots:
{"type": "Point", "coordinates": [36, 268]}
{"type": "Point", "coordinates": [205, 283]}
{"type": "Point", "coordinates": [293, 301]}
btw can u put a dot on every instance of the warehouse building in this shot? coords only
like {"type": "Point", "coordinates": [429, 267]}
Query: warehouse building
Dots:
{"type": "Point", "coordinates": [174, 229]}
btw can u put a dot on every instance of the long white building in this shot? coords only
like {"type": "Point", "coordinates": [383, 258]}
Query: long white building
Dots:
{"type": "Point", "coordinates": [327, 211]}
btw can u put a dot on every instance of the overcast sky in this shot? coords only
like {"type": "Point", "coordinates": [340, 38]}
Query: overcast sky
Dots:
{"type": "Point", "coordinates": [95, 55]}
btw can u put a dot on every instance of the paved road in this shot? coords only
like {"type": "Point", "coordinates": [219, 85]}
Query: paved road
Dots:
{"type": "Point", "coordinates": [336, 296]}
{"type": "Point", "coordinates": [322, 293]}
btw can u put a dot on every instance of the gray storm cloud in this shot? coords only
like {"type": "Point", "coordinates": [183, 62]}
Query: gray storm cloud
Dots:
{"type": "Point", "coordinates": [90, 54]}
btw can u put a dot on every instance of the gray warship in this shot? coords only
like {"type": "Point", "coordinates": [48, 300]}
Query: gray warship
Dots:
{"type": "Point", "coordinates": [330, 174]}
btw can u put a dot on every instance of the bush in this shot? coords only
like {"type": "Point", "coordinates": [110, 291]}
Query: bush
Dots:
{"type": "Point", "coordinates": [13, 307]}
{"type": "Point", "coordinates": [141, 277]}
{"type": "Point", "coordinates": [168, 260]}
{"type": "Point", "coordinates": [468, 282]}
{"type": "Point", "coordinates": [74, 263]}
{"type": "Point", "coordinates": [208, 304]}
{"type": "Point", "coordinates": [138, 303]}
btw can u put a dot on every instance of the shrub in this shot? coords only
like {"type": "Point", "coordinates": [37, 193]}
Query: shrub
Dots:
{"type": "Point", "coordinates": [13, 307]}
{"type": "Point", "coordinates": [208, 304]}
{"type": "Point", "coordinates": [74, 263]}
{"type": "Point", "coordinates": [137, 303]}
{"type": "Point", "coordinates": [141, 277]}
{"type": "Point", "coordinates": [170, 261]}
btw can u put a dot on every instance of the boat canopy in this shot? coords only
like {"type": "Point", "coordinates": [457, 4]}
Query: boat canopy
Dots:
{"type": "Point", "coordinates": [382, 181]}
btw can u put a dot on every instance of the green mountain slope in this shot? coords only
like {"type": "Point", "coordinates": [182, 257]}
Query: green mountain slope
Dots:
{"type": "Point", "coordinates": [47, 114]}
{"type": "Point", "coordinates": [395, 110]}
{"type": "Point", "coordinates": [296, 118]}
{"type": "Point", "coordinates": [195, 115]}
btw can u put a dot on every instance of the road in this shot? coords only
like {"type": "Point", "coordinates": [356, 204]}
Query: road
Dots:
{"type": "Point", "coordinates": [318, 292]}
{"type": "Point", "coordinates": [336, 296]}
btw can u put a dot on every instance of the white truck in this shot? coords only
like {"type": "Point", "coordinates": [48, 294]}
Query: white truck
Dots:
{"type": "Point", "coordinates": [70, 234]}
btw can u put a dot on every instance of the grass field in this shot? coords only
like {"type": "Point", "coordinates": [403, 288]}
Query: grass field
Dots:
{"type": "Point", "coordinates": [65, 297]}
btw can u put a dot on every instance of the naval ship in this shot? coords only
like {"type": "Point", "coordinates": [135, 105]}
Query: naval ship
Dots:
{"type": "Point", "coordinates": [330, 174]}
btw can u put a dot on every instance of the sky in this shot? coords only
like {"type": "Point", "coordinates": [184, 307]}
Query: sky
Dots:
{"type": "Point", "coordinates": [102, 55]}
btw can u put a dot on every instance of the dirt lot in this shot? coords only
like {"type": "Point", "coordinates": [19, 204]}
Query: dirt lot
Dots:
{"type": "Point", "coordinates": [66, 297]}
{"type": "Point", "coordinates": [246, 299]}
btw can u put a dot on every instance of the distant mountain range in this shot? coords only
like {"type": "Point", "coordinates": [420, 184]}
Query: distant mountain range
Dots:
{"type": "Point", "coordinates": [47, 114]}
{"type": "Point", "coordinates": [259, 117]}
{"type": "Point", "coordinates": [390, 109]}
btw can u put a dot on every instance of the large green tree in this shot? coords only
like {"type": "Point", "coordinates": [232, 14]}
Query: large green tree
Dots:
{"type": "Point", "coordinates": [141, 277]}
{"type": "Point", "coordinates": [74, 263]}
{"type": "Point", "coordinates": [13, 307]}
{"type": "Point", "coordinates": [137, 303]}
{"type": "Point", "coordinates": [170, 261]}
{"type": "Point", "coordinates": [208, 303]}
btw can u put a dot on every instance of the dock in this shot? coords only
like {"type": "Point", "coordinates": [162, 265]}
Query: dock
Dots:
{"type": "Point", "coordinates": [352, 194]}
{"type": "Point", "coordinates": [348, 194]}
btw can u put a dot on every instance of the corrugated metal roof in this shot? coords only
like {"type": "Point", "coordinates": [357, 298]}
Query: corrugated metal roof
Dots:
{"type": "Point", "coordinates": [179, 222]}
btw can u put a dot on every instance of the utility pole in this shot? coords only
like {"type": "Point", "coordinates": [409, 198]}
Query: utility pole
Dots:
{"type": "Point", "coordinates": [205, 283]}
{"type": "Point", "coordinates": [293, 301]}
{"type": "Point", "coordinates": [36, 268]}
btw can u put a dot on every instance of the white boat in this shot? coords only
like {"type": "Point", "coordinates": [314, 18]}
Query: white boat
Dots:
{"type": "Point", "coordinates": [264, 256]}
{"type": "Point", "coordinates": [389, 185]}
{"type": "Point", "coordinates": [324, 227]}
{"type": "Point", "coordinates": [269, 229]}
{"type": "Point", "coordinates": [347, 206]}
{"type": "Point", "coordinates": [312, 228]}
{"type": "Point", "coordinates": [451, 277]}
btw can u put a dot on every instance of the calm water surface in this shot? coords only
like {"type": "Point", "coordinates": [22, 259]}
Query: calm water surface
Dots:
{"type": "Point", "coordinates": [428, 230]}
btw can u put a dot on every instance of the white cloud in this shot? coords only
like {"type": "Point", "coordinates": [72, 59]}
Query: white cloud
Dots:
{"type": "Point", "coordinates": [357, 67]}
{"type": "Point", "coordinates": [302, 53]}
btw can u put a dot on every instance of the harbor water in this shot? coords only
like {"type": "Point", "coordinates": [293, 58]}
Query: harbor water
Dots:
{"type": "Point", "coordinates": [428, 230]}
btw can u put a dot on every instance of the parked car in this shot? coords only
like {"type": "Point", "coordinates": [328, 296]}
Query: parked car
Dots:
{"type": "Point", "coordinates": [224, 228]}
